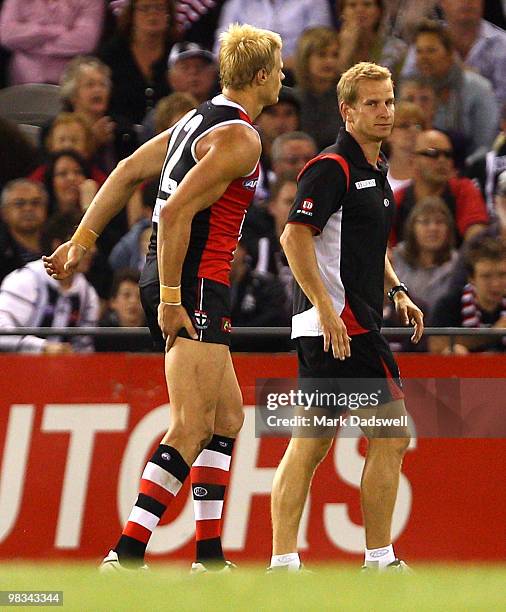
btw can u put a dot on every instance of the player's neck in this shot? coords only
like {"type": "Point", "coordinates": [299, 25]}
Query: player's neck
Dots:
{"type": "Point", "coordinates": [371, 149]}
{"type": "Point", "coordinates": [246, 100]}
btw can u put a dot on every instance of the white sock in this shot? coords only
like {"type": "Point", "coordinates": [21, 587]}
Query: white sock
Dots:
{"type": "Point", "coordinates": [379, 558]}
{"type": "Point", "coordinates": [290, 560]}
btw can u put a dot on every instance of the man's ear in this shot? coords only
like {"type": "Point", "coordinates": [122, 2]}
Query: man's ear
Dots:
{"type": "Point", "coordinates": [261, 76]}
{"type": "Point", "coordinates": [344, 109]}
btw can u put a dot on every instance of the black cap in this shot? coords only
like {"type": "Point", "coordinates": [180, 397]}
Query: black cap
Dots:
{"type": "Point", "coordinates": [185, 50]}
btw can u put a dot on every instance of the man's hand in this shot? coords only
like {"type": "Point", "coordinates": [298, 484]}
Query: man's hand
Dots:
{"type": "Point", "coordinates": [409, 313]}
{"type": "Point", "coordinates": [171, 319]}
{"type": "Point", "coordinates": [334, 332]}
{"type": "Point", "coordinates": [64, 261]}
{"type": "Point", "coordinates": [57, 348]}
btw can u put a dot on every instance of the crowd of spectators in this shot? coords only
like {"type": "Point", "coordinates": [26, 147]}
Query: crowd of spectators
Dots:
{"type": "Point", "coordinates": [129, 69]}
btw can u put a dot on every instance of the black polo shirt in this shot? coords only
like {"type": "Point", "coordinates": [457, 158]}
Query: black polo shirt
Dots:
{"type": "Point", "coordinates": [350, 206]}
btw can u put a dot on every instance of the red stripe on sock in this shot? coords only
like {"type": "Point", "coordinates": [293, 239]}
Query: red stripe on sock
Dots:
{"type": "Point", "coordinates": [205, 530]}
{"type": "Point", "coordinates": [210, 475]}
{"type": "Point", "coordinates": [137, 532]}
{"type": "Point", "coordinates": [155, 491]}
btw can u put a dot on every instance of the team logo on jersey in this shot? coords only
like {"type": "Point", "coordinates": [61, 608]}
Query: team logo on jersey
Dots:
{"type": "Point", "coordinates": [365, 184]}
{"type": "Point", "coordinates": [386, 202]}
{"type": "Point", "coordinates": [306, 208]}
{"type": "Point", "coordinates": [201, 319]}
{"type": "Point", "coordinates": [226, 325]}
{"type": "Point", "coordinates": [250, 184]}
{"type": "Point", "coordinates": [307, 204]}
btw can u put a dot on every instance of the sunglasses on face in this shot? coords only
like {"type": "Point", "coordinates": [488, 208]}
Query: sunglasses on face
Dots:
{"type": "Point", "coordinates": [436, 153]}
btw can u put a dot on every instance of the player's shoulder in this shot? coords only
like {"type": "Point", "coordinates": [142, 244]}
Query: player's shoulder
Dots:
{"type": "Point", "coordinates": [327, 164]}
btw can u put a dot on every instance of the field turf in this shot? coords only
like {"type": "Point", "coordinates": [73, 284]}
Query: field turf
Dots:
{"type": "Point", "coordinates": [167, 587]}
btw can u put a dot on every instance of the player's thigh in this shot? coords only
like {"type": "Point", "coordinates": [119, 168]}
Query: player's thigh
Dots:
{"type": "Point", "coordinates": [229, 409]}
{"type": "Point", "coordinates": [194, 372]}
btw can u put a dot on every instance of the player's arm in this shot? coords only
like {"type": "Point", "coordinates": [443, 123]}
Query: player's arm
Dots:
{"type": "Point", "coordinates": [145, 163]}
{"type": "Point", "coordinates": [407, 310]}
{"type": "Point", "coordinates": [298, 245]}
{"type": "Point", "coordinates": [225, 154]}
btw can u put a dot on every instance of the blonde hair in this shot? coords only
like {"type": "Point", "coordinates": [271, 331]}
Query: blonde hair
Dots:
{"type": "Point", "coordinates": [347, 88]}
{"type": "Point", "coordinates": [65, 118]}
{"type": "Point", "coordinates": [244, 51]}
{"type": "Point", "coordinates": [312, 40]}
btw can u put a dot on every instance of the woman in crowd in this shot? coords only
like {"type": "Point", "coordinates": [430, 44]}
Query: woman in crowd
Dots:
{"type": "Point", "coordinates": [137, 55]}
{"type": "Point", "coordinates": [317, 72]}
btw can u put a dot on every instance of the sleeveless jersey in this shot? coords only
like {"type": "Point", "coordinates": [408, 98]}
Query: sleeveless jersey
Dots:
{"type": "Point", "coordinates": [215, 230]}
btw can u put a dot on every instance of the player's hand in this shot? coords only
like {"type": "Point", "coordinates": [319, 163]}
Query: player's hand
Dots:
{"type": "Point", "coordinates": [409, 313]}
{"type": "Point", "coordinates": [64, 261]}
{"type": "Point", "coordinates": [171, 319]}
{"type": "Point", "coordinates": [335, 334]}
{"type": "Point", "coordinates": [57, 348]}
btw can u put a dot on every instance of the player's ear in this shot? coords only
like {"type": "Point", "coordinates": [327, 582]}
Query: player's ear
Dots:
{"type": "Point", "coordinates": [261, 76]}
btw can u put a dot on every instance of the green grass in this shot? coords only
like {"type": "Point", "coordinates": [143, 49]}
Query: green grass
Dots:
{"type": "Point", "coordinates": [166, 587]}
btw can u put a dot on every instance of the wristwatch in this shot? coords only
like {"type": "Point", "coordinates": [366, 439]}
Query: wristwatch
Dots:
{"type": "Point", "coordinates": [396, 289]}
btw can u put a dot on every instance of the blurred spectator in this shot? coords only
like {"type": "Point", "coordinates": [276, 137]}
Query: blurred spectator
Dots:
{"type": "Point", "coordinates": [480, 45]}
{"type": "Point", "coordinates": [44, 35]}
{"type": "Point", "coordinates": [402, 16]}
{"type": "Point", "coordinates": [71, 131]}
{"type": "Point", "coordinates": [69, 184]}
{"type": "Point", "coordinates": [317, 72]}
{"type": "Point", "coordinates": [167, 112]}
{"type": "Point", "coordinates": [192, 70]}
{"type": "Point", "coordinates": [363, 37]}
{"type": "Point", "coordinates": [420, 92]}
{"type": "Point", "coordinates": [24, 212]}
{"type": "Point", "coordinates": [198, 21]}
{"type": "Point", "coordinates": [466, 103]}
{"type": "Point", "coordinates": [31, 298]}
{"type": "Point", "coordinates": [86, 89]}
{"type": "Point", "coordinates": [257, 300]}
{"type": "Point", "coordinates": [17, 154]}
{"type": "Point", "coordinates": [486, 170]}
{"type": "Point", "coordinates": [286, 17]}
{"type": "Point", "coordinates": [481, 303]}
{"type": "Point", "coordinates": [291, 152]}
{"type": "Point", "coordinates": [433, 174]}
{"type": "Point", "coordinates": [137, 56]}
{"type": "Point", "coordinates": [125, 310]}
{"type": "Point", "coordinates": [401, 144]}
{"type": "Point", "coordinates": [425, 259]}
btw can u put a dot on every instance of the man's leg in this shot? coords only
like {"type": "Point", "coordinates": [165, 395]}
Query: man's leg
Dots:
{"type": "Point", "coordinates": [194, 372]}
{"type": "Point", "coordinates": [210, 472]}
{"type": "Point", "coordinates": [380, 482]}
{"type": "Point", "coordinates": [289, 492]}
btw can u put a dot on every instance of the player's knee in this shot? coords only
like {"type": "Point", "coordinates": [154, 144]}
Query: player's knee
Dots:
{"type": "Point", "coordinates": [230, 425]}
{"type": "Point", "coordinates": [392, 446]}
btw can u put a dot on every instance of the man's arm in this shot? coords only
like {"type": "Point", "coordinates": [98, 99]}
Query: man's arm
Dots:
{"type": "Point", "coordinates": [297, 243]}
{"type": "Point", "coordinates": [225, 154]}
{"type": "Point", "coordinates": [407, 310]}
{"type": "Point", "coordinates": [145, 163]}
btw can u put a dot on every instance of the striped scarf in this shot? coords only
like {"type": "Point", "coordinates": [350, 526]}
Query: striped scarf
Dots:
{"type": "Point", "coordinates": [471, 311]}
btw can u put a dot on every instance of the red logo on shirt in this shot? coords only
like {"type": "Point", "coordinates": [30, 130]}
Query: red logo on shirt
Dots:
{"type": "Point", "coordinates": [307, 204]}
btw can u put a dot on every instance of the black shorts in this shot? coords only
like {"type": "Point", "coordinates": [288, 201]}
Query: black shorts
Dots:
{"type": "Point", "coordinates": [206, 302]}
{"type": "Point", "coordinates": [371, 361]}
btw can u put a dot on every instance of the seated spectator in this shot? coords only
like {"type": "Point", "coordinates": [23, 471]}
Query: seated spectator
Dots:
{"type": "Point", "coordinates": [273, 121]}
{"type": "Point", "coordinates": [480, 45]}
{"type": "Point", "coordinates": [167, 112]}
{"type": "Point", "coordinates": [425, 259]}
{"type": "Point", "coordinates": [29, 297]}
{"type": "Point", "coordinates": [363, 36]}
{"type": "Point", "coordinates": [43, 36]}
{"type": "Point", "coordinates": [466, 103]}
{"type": "Point", "coordinates": [289, 19]}
{"type": "Point", "coordinates": [317, 72]}
{"type": "Point", "coordinates": [125, 310]}
{"type": "Point", "coordinates": [86, 89]}
{"type": "Point", "coordinates": [401, 144]}
{"type": "Point", "coordinates": [137, 55]}
{"type": "Point", "coordinates": [69, 184]}
{"type": "Point", "coordinates": [420, 92]}
{"type": "Point", "coordinates": [402, 16]}
{"type": "Point", "coordinates": [24, 212]}
{"type": "Point", "coordinates": [192, 70]}
{"type": "Point", "coordinates": [19, 156]}
{"type": "Point", "coordinates": [481, 303]}
{"type": "Point", "coordinates": [433, 175]}
{"type": "Point", "coordinates": [257, 300]}
{"type": "Point", "coordinates": [71, 131]}
{"type": "Point", "coordinates": [291, 152]}
{"type": "Point", "coordinates": [486, 170]}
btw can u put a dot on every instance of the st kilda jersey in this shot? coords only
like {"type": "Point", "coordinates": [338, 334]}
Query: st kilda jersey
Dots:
{"type": "Point", "coordinates": [215, 230]}
{"type": "Point", "coordinates": [350, 205]}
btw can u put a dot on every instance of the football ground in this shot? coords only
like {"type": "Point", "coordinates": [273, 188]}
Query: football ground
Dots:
{"type": "Point", "coordinates": [340, 587]}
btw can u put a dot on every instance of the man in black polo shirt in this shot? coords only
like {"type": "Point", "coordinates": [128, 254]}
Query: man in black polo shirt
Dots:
{"type": "Point", "coordinates": [335, 242]}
